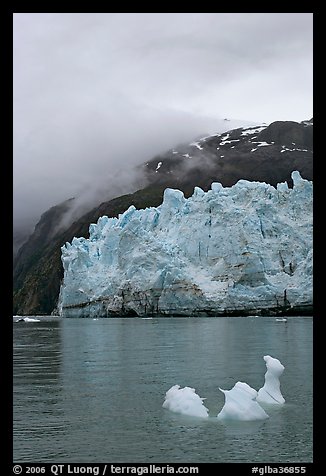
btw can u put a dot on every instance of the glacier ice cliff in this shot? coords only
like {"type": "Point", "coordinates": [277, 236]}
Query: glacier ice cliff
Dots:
{"type": "Point", "coordinates": [239, 250]}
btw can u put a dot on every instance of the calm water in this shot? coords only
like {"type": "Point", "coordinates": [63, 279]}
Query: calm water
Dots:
{"type": "Point", "coordinates": [92, 390]}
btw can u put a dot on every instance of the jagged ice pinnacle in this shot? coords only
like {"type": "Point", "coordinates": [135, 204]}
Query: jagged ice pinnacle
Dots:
{"type": "Point", "coordinates": [270, 392]}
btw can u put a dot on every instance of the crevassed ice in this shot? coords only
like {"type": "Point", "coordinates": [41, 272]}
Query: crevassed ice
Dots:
{"type": "Point", "coordinates": [246, 248]}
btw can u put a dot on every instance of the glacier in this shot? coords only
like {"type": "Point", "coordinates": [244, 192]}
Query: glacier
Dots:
{"type": "Point", "coordinates": [240, 250]}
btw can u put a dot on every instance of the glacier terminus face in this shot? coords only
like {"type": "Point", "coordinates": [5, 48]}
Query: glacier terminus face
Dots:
{"type": "Point", "coordinates": [245, 249]}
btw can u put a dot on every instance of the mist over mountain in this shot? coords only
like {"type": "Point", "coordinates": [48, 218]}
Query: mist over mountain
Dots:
{"type": "Point", "coordinates": [260, 152]}
{"type": "Point", "coordinates": [108, 169]}
{"type": "Point", "coordinates": [96, 94]}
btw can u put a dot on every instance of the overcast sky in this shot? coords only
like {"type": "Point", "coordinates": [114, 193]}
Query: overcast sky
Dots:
{"type": "Point", "coordinates": [94, 92]}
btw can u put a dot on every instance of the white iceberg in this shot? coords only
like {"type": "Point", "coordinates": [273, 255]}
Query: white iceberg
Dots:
{"type": "Point", "coordinates": [270, 392]}
{"type": "Point", "coordinates": [186, 401]}
{"type": "Point", "coordinates": [240, 404]}
{"type": "Point", "coordinates": [28, 319]}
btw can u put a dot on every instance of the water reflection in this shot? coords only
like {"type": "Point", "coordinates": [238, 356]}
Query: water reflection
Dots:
{"type": "Point", "coordinates": [37, 389]}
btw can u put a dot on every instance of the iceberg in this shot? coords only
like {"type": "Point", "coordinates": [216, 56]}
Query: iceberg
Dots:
{"type": "Point", "coordinates": [240, 404]}
{"type": "Point", "coordinates": [186, 401]}
{"type": "Point", "coordinates": [27, 319]}
{"type": "Point", "coordinates": [245, 249]}
{"type": "Point", "coordinates": [270, 392]}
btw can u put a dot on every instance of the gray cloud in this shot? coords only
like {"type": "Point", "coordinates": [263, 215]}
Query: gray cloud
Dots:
{"type": "Point", "coordinates": [98, 93]}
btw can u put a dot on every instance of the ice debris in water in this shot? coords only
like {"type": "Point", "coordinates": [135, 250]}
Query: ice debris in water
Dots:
{"type": "Point", "coordinates": [270, 392]}
{"type": "Point", "coordinates": [186, 401]}
{"type": "Point", "coordinates": [28, 319]}
{"type": "Point", "coordinates": [241, 404]}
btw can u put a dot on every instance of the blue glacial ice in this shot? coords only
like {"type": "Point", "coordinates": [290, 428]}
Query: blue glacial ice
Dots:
{"type": "Point", "coordinates": [240, 249]}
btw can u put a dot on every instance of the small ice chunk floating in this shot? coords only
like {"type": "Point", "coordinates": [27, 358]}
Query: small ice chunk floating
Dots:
{"type": "Point", "coordinates": [241, 404]}
{"type": "Point", "coordinates": [270, 392]}
{"type": "Point", "coordinates": [186, 401]}
{"type": "Point", "coordinates": [27, 319]}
